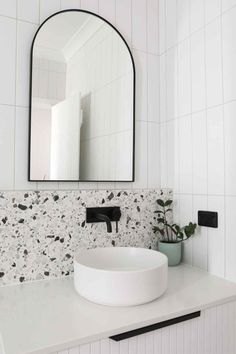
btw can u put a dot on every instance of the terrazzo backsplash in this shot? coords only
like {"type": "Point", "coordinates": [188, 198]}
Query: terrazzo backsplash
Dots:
{"type": "Point", "coordinates": [41, 231]}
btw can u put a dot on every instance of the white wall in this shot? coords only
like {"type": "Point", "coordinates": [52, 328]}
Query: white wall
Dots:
{"type": "Point", "coordinates": [102, 72]}
{"type": "Point", "coordinates": [138, 22]}
{"type": "Point", "coordinates": [41, 144]}
{"type": "Point", "coordinates": [65, 139]}
{"type": "Point", "coordinates": [198, 123]}
{"type": "Point", "coordinates": [49, 80]}
{"type": "Point", "coordinates": [48, 84]}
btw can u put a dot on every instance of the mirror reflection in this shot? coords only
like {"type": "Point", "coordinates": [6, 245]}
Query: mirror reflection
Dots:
{"type": "Point", "coordinates": [82, 89]}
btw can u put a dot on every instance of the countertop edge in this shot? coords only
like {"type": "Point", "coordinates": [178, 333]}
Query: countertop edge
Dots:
{"type": "Point", "coordinates": [107, 334]}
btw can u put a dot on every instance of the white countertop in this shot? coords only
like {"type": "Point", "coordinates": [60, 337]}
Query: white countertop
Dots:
{"type": "Point", "coordinates": [46, 316]}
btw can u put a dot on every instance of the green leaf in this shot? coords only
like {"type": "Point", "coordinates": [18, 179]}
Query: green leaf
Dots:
{"type": "Point", "coordinates": [189, 229]}
{"type": "Point", "coordinates": [180, 235]}
{"type": "Point", "coordinates": [168, 202]}
{"type": "Point", "coordinates": [177, 227]}
{"type": "Point", "coordinates": [178, 231]}
{"type": "Point", "coordinates": [161, 202]}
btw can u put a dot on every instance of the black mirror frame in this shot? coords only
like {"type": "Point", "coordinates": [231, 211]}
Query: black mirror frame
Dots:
{"type": "Point", "coordinates": [30, 100]}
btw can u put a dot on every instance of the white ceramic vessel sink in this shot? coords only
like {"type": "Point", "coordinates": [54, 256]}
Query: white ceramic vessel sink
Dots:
{"type": "Point", "coordinates": [120, 276]}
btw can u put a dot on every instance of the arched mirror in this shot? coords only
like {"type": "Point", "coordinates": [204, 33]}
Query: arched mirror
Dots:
{"type": "Point", "coordinates": [81, 101]}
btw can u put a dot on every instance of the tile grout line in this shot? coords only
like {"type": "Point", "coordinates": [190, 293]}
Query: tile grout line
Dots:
{"type": "Point", "coordinates": [201, 110]}
{"type": "Point", "coordinates": [15, 108]}
{"type": "Point", "coordinates": [80, 6]}
{"type": "Point", "coordinates": [177, 98]}
{"type": "Point", "coordinates": [222, 13]}
{"type": "Point", "coordinates": [147, 91]}
{"type": "Point", "coordinates": [169, 120]}
{"type": "Point", "coordinates": [166, 104]}
{"type": "Point", "coordinates": [223, 117]}
{"type": "Point", "coordinates": [132, 50]}
{"type": "Point", "coordinates": [18, 19]}
{"type": "Point", "coordinates": [163, 178]}
{"type": "Point", "coordinates": [159, 98]}
{"type": "Point", "coordinates": [115, 23]}
{"type": "Point", "coordinates": [191, 118]}
{"type": "Point", "coordinates": [37, 184]}
{"type": "Point", "coordinates": [115, 19]}
{"type": "Point", "coordinates": [141, 188]}
{"type": "Point", "coordinates": [207, 141]}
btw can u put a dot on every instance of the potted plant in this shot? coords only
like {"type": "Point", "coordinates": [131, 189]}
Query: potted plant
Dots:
{"type": "Point", "coordinates": [171, 235]}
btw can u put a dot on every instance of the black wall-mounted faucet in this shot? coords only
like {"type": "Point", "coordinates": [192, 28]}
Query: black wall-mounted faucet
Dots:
{"type": "Point", "coordinates": [105, 218]}
{"type": "Point", "coordinates": [104, 214]}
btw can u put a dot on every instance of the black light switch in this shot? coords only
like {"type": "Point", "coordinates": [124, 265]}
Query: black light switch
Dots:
{"type": "Point", "coordinates": [208, 218]}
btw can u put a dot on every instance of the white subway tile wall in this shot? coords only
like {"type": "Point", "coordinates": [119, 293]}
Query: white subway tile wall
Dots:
{"type": "Point", "coordinates": [73, 4]}
{"type": "Point", "coordinates": [8, 61]}
{"type": "Point", "coordinates": [28, 10]}
{"type": "Point", "coordinates": [8, 8]}
{"type": "Point", "coordinates": [200, 61]}
{"type": "Point", "coordinates": [19, 19]}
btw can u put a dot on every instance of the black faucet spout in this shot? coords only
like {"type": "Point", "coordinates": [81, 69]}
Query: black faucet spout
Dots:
{"type": "Point", "coordinates": [105, 218]}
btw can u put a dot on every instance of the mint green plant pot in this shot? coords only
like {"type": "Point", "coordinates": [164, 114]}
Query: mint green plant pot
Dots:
{"type": "Point", "coordinates": [173, 251]}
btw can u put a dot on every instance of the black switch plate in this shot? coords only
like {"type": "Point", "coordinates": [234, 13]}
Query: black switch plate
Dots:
{"type": "Point", "coordinates": [208, 218]}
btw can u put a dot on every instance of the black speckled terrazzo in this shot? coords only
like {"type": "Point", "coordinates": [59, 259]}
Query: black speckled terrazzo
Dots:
{"type": "Point", "coordinates": [41, 231]}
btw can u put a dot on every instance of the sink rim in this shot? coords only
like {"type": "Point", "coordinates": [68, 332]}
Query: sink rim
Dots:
{"type": "Point", "coordinates": [162, 259]}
